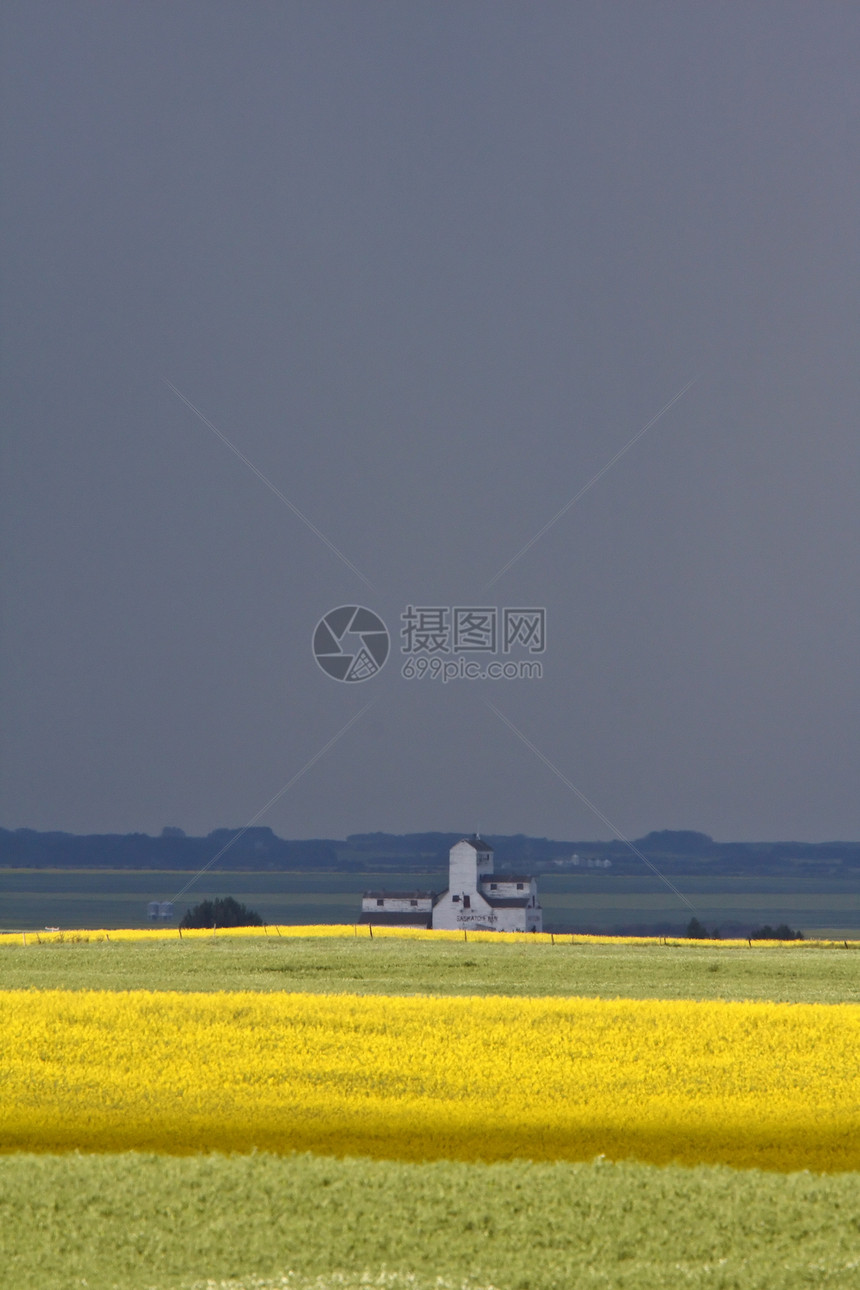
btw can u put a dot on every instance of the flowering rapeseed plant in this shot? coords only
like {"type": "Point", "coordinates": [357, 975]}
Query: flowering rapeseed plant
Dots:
{"type": "Point", "coordinates": [748, 1084]}
{"type": "Point", "coordinates": [365, 931]}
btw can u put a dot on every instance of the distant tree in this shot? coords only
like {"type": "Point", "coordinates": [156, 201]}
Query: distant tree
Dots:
{"type": "Point", "coordinates": [781, 933]}
{"type": "Point", "coordinates": [696, 932]}
{"type": "Point", "coordinates": [222, 912]}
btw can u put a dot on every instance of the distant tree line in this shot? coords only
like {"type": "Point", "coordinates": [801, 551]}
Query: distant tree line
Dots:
{"type": "Point", "coordinates": [781, 933]}
{"type": "Point", "coordinates": [256, 849]}
{"type": "Point", "coordinates": [697, 932]}
{"type": "Point", "coordinates": [673, 851]}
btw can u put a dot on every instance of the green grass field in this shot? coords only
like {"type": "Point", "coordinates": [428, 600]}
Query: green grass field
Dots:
{"type": "Point", "coordinates": [790, 973]}
{"type": "Point", "coordinates": [310, 1223]}
{"type": "Point", "coordinates": [149, 1221]}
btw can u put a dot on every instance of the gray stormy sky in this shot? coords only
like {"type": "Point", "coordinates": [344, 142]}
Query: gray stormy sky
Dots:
{"type": "Point", "coordinates": [430, 267]}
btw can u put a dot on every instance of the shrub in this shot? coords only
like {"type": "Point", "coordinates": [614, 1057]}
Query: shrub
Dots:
{"type": "Point", "coordinates": [222, 912]}
{"type": "Point", "coordinates": [697, 932]}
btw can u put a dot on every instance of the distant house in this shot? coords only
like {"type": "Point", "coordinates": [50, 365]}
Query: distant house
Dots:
{"type": "Point", "coordinates": [476, 897]}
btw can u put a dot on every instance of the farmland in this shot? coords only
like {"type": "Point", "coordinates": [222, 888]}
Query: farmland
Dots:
{"type": "Point", "coordinates": [411, 1078]}
{"type": "Point", "coordinates": [205, 1222]}
{"type": "Point", "coordinates": [312, 1221]}
{"type": "Point", "coordinates": [795, 973]}
{"type": "Point", "coordinates": [821, 903]}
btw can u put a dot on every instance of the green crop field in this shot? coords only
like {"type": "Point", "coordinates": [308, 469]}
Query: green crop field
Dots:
{"type": "Point", "coordinates": [215, 1222]}
{"type": "Point", "coordinates": [792, 973]}
{"type": "Point", "coordinates": [205, 1222]}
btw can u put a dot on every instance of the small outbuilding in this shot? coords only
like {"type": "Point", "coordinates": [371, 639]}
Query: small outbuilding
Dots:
{"type": "Point", "coordinates": [397, 908]}
{"type": "Point", "coordinates": [160, 909]}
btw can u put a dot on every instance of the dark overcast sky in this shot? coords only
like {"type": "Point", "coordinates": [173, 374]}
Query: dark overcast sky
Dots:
{"type": "Point", "coordinates": [430, 267]}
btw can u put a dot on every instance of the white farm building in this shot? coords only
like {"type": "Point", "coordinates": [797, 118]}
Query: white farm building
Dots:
{"type": "Point", "coordinates": [476, 897]}
{"type": "Point", "coordinates": [397, 908]}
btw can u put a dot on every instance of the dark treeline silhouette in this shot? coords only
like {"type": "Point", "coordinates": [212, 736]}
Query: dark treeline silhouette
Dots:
{"type": "Point", "coordinates": [697, 932]}
{"type": "Point", "coordinates": [256, 849]}
{"type": "Point", "coordinates": [674, 851]}
{"type": "Point", "coordinates": [781, 933]}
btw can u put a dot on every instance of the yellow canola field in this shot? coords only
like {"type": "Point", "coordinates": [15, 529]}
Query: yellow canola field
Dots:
{"type": "Point", "coordinates": [365, 932]}
{"type": "Point", "coordinates": [775, 1086]}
